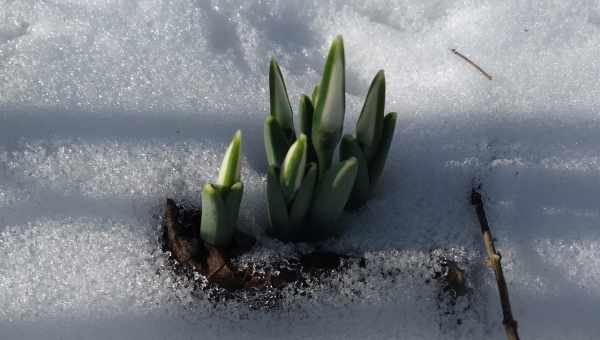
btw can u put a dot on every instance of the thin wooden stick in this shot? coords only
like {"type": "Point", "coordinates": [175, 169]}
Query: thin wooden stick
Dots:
{"type": "Point", "coordinates": [494, 258]}
{"type": "Point", "coordinates": [487, 75]}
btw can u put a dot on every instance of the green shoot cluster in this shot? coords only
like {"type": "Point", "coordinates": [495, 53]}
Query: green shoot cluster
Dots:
{"type": "Point", "coordinates": [306, 191]}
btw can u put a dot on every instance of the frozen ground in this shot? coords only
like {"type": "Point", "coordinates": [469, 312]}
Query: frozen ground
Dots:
{"type": "Point", "coordinates": [108, 107]}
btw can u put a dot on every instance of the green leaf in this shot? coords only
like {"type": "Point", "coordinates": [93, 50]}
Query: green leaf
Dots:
{"type": "Point", "coordinates": [332, 194]}
{"type": "Point", "coordinates": [293, 168]}
{"type": "Point", "coordinates": [331, 102]}
{"type": "Point", "coordinates": [370, 121]}
{"type": "Point", "coordinates": [315, 95]}
{"type": "Point", "coordinates": [306, 114]}
{"type": "Point", "coordinates": [215, 227]}
{"type": "Point", "coordinates": [280, 102]}
{"type": "Point", "coordinates": [378, 162]}
{"type": "Point", "coordinates": [276, 144]}
{"type": "Point", "coordinates": [277, 208]}
{"type": "Point", "coordinates": [232, 200]}
{"type": "Point", "coordinates": [328, 119]}
{"type": "Point", "coordinates": [349, 148]}
{"type": "Point", "coordinates": [303, 200]}
{"type": "Point", "coordinates": [230, 168]}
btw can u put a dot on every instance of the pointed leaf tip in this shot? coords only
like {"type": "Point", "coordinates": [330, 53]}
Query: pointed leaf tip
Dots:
{"type": "Point", "coordinates": [370, 121]}
{"type": "Point", "coordinates": [230, 171]}
{"type": "Point", "coordinates": [333, 192]}
{"type": "Point", "coordinates": [294, 167]}
{"type": "Point", "coordinates": [339, 40]}
{"type": "Point", "coordinates": [281, 108]}
{"type": "Point", "coordinates": [276, 143]}
{"type": "Point", "coordinates": [328, 119]}
{"type": "Point", "coordinates": [349, 166]}
{"type": "Point", "coordinates": [332, 90]}
{"type": "Point", "coordinates": [387, 136]}
{"type": "Point", "coordinates": [315, 95]}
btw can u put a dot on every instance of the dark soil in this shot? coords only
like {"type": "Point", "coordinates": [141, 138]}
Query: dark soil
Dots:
{"type": "Point", "coordinates": [181, 237]}
{"type": "Point", "coordinates": [260, 285]}
{"type": "Point", "coordinates": [451, 279]}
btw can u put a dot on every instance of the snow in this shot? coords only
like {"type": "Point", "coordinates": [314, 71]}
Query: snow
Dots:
{"type": "Point", "coordinates": [107, 107]}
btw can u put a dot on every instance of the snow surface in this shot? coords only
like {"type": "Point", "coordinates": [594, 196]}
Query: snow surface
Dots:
{"type": "Point", "coordinates": [107, 107]}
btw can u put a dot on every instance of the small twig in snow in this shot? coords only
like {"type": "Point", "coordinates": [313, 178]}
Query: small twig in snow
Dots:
{"type": "Point", "coordinates": [487, 75]}
{"type": "Point", "coordinates": [510, 325]}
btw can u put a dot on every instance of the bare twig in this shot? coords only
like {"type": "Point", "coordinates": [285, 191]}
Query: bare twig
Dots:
{"type": "Point", "coordinates": [494, 258]}
{"type": "Point", "coordinates": [487, 75]}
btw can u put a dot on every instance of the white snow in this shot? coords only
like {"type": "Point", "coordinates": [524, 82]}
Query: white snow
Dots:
{"type": "Point", "coordinates": [107, 107]}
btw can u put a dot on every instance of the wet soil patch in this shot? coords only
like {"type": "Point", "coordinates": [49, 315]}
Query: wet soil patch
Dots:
{"type": "Point", "coordinates": [450, 277]}
{"type": "Point", "coordinates": [263, 284]}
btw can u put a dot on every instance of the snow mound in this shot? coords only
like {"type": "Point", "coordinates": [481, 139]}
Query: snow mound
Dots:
{"type": "Point", "coordinates": [108, 107]}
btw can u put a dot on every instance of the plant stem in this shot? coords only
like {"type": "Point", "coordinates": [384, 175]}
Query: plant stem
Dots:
{"type": "Point", "coordinates": [494, 258]}
{"type": "Point", "coordinates": [485, 74]}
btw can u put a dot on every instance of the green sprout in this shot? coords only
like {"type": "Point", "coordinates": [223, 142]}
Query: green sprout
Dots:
{"type": "Point", "coordinates": [322, 121]}
{"type": "Point", "coordinates": [330, 107]}
{"type": "Point", "coordinates": [221, 201]}
{"type": "Point", "coordinates": [306, 191]}
{"type": "Point", "coordinates": [370, 143]}
{"type": "Point", "coordinates": [295, 197]}
{"type": "Point", "coordinates": [290, 192]}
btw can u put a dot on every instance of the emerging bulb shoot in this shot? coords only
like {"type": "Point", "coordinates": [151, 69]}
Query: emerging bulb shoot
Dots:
{"type": "Point", "coordinates": [230, 168]}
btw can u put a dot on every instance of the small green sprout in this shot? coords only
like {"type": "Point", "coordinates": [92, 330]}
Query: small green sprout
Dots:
{"type": "Point", "coordinates": [281, 108]}
{"type": "Point", "coordinates": [290, 192]}
{"type": "Point", "coordinates": [221, 201]}
{"type": "Point", "coordinates": [230, 172]}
